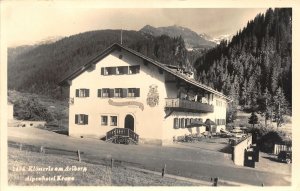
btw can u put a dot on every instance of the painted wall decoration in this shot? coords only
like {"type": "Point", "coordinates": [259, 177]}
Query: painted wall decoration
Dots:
{"type": "Point", "coordinates": [126, 103]}
{"type": "Point", "coordinates": [153, 96]}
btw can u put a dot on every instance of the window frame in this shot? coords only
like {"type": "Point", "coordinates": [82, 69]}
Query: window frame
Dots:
{"type": "Point", "coordinates": [135, 69]}
{"type": "Point", "coordinates": [82, 92]}
{"type": "Point", "coordinates": [103, 123]}
{"type": "Point", "coordinates": [81, 119]}
{"type": "Point", "coordinates": [111, 120]}
{"type": "Point", "coordinates": [105, 92]}
{"type": "Point", "coordinates": [118, 93]}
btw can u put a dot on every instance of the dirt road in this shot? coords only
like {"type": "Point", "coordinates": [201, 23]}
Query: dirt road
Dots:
{"type": "Point", "coordinates": [188, 162]}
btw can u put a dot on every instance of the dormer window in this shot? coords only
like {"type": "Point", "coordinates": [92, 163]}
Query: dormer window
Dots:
{"type": "Point", "coordinates": [120, 70]}
{"type": "Point", "coordinates": [134, 69]}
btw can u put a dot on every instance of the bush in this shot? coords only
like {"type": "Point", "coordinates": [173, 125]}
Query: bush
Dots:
{"type": "Point", "coordinates": [268, 137]}
{"type": "Point", "coordinates": [31, 109]}
{"type": "Point", "coordinates": [268, 140]}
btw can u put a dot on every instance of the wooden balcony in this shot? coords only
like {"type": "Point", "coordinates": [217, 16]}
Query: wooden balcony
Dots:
{"type": "Point", "coordinates": [189, 106]}
{"type": "Point", "coordinates": [122, 136]}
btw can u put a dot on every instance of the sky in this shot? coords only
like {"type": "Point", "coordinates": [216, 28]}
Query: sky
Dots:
{"type": "Point", "coordinates": [30, 23]}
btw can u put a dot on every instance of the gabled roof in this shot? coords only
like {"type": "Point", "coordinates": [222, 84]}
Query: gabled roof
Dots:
{"type": "Point", "coordinates": [116, 46]}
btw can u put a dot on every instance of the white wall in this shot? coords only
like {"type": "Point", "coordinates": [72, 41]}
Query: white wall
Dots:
{"type": "Point", "coordinates": [239, 149]}
{"type": "Point", "coordinates": [147, 122]}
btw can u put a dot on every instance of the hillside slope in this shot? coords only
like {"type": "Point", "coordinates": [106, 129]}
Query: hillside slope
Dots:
{"type": "Point", "coordinates": [257, 62]}
{"type": "Point", "coordinates": [38, 69]}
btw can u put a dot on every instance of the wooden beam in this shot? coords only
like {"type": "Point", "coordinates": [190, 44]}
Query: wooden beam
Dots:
{"type": "Point", "coordinates": [145, 62]}
{"type": "Point", "coordinates": [69, 82]}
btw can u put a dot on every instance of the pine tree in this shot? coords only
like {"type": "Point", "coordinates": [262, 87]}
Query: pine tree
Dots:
{"type": "Point", "coordinates": [253, 119]}
{"type": "Point", "coordinates": [231, 113]}
{"type": "Point", "coordinates": [280, 106]}
{"type": "Point", "coordinates": [267, 106]}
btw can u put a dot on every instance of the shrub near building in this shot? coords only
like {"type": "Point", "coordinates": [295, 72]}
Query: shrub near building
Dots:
{"type": "Point", "coordinates": [31, 109]}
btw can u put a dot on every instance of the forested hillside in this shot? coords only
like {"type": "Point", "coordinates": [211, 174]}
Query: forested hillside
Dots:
{"type": "Point", "coordinates": [38, 69]}
{"type": "Point", "coordinates": [255, 68]}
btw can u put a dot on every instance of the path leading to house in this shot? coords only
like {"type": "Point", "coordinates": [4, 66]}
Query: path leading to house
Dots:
{"type": "Point", "coordinates": [190, 162]}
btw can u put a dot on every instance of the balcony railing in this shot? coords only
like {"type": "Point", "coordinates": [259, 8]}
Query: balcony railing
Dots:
{"type": "Point", "coordinates": [186, 105]}
{"type": "Point", "coordinates": [122, 135]}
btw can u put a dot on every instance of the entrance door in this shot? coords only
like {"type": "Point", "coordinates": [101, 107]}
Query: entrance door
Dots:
{"type": "Point", "coordinates": [129, 122]}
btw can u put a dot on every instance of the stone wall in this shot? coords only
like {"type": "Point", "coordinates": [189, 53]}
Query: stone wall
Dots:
{"type": "Point", "coordinates": [239, 150]}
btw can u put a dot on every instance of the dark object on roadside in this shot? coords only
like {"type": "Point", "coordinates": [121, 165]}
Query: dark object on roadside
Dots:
{"type": "Point", "coordinates": [285, 156]}
{"type": "Point", "coordinates": [215, 181]}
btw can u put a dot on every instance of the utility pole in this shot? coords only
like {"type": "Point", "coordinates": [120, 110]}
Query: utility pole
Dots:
{"type": "Point", "coordinates": [121, 36]}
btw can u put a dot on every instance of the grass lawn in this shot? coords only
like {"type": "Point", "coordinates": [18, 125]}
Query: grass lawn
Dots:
{"type": "Point", "coordinates": [85, 174]}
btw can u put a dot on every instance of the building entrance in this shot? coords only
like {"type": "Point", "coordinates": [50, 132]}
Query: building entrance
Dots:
{"type": "Point", "coordinates": [129, 122]}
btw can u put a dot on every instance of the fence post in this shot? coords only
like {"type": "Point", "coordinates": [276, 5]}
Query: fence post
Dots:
{"type": "Point", "coordinates": [164, 170]}
{"type": "Point", "coordinates": [20, 146]}
{"type": "Point", "coordinates": [42, 149]}
{"type": "Point", "coordinates": [111, 163]}
{"type": "Point", "coordinates": [78, 153]}
{"type": "Point", "coordinates": [216, 181]}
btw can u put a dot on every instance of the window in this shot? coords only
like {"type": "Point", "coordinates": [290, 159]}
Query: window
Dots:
{"type": "Point", "coordinates": [134, 69]}
{"type": "Point", "coordinates": [176, 123]}
{"type": "Point", "coordinates": [187, 121]}
{"type": "Point", "coordinates": [122, 70]}
{"type": "Point", "coordinates": [182, 125]}
{"type": "Point", "coordinates": [105, 92]}
{"type": "Point", "coordinates": [220, 121]}
{"type": "Point", "coordinates": [104, 120]}
{"type": "Point", "coordinates": [111, 70]}
{"type": "Point", "coordinates": [82, 93]}
{"type": "Point", "coordinates": [118, 92]}
{"type": "Point", "coordinates": [133, 92]}
{"type": "Point", "coordinates": [113, 120]}
{"type": "Point", "coordinates": [81, 119]}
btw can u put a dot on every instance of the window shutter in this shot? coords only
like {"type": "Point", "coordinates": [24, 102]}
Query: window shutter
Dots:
{"type": "Point", "coordinates": [77, 92]}
{"type": "Point", "coordinates": [182, 123]}
{"type": "Point", "coordinates": [76, 119]}
{"type": "Point", "coordinates": [137, 92]}
{"type": "Point", "coordinates": [99, 92]}
{"type": "Point", "coordinates": [86, 119]}
{"type": "Point", "coordinates": [111, 93]}
{"type": "Point", "coordinates": [87, 93]}
{"type": "Point", "coordinates": [102, 71]}
{"type": "Point", "coordinates": [124, 92]}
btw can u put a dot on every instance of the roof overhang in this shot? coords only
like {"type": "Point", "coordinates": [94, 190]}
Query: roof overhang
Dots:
{"type": "Point", "coordinates": [67, 80]}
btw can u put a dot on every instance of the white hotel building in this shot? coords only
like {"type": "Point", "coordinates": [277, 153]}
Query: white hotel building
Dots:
{"type": "Point", "coordinates": [121, 88]}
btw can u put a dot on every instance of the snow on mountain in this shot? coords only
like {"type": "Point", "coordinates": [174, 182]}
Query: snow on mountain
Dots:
{"type": "Point", "coordinates": [220, 38]}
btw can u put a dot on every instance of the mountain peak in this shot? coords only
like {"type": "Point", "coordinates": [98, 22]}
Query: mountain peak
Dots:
{"type": "Point", "coordinates": [191, 38]}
